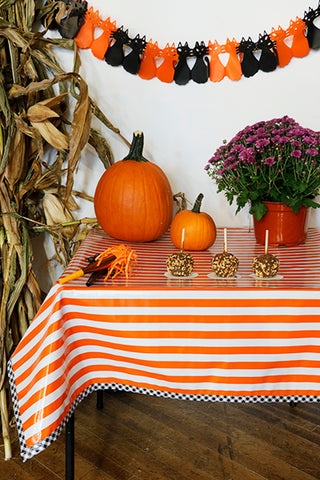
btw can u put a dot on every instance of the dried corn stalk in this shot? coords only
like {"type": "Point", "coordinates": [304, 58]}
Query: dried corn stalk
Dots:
{"type": "Point", "coordinates": [42, 134]}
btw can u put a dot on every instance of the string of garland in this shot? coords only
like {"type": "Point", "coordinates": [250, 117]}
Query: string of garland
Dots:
{"type": "Point", "coordinates": [146, 59]}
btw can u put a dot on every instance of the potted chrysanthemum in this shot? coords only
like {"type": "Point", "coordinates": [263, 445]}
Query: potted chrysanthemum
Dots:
{"type": "Point", "coordinates": [272, 166]}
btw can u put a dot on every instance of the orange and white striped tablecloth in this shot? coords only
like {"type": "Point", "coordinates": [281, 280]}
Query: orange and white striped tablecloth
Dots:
{"type": "Point", "coordinates": [240, 339]}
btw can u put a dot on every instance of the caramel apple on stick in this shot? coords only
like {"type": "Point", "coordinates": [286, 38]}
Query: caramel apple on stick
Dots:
{"type": "Point", "coordinates": [180, 264]}
{"type": "Point", "coordinates": [225, 264]}
{"type": "Point", "coordinates": [266, 265]}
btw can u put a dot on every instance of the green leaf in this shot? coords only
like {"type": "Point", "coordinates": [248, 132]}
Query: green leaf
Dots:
{"type": "Point", "coordinates": [229, 197]}
{"type": "Point", "coordinates": [255, 195]}
{"type": "Point", "coordinates": [295, 208]}
{"type": "Point", "coordinates": [258, 210]}
{"type": "Point", "coordinates": [302, 187]}
{"type": "Point", "coordinates": [243, 198]}
{"type": "Point", "coordinates": [308, 202]}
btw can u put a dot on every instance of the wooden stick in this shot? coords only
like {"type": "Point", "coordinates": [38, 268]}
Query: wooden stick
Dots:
{"type": "Point", "coordinates": [182, 239]}
{"type": "Point", "coordinates": [266, 242]}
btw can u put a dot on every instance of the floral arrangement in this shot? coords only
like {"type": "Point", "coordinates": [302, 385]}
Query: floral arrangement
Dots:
{"type": "Point", "coordinates": [275, 160]}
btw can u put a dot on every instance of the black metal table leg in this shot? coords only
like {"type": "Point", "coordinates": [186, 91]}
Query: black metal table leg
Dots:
{"type": "Point", "coordinates": [99, 399]}
{"type": "Point", "coordinates": [69, 453]}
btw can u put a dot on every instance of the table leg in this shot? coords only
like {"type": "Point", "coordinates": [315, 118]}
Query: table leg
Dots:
{"type": "Point", "coordinates": [69, 449]}
{"type": "Point", "coordinates": [99, 399]}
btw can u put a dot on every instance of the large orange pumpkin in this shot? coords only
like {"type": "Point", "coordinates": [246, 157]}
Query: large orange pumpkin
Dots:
{"type": "Point", "coordinates": [133, 200]}
{"type": "Point", "coordinates": [199, 228]}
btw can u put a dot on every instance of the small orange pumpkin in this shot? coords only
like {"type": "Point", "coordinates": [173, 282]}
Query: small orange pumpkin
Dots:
{"type": "Point", "coordinates": [133, 200]}
{"type": "Point", "coordinates": [199, 228]}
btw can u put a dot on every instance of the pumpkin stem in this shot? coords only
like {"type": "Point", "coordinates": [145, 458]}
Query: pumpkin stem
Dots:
{"type": "Point", "coordinates": [136, 148]}
{"type": "Point", "coordinates": [197, 203]}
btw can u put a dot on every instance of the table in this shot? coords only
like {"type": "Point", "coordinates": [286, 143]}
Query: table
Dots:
{"type": "Point", "coordinates": [242, 339]}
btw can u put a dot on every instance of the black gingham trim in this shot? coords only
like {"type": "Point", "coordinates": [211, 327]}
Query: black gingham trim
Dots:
{"type": "Point", "coordinates": [15, 404]}
{"type": "Point", "coordinates": [28, 453]}
{"type": "Point", "coordinates": [214, 398]}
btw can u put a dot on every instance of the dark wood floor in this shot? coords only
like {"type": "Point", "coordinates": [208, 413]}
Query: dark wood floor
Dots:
{"type": "Point", "coordinates": [138, 437]}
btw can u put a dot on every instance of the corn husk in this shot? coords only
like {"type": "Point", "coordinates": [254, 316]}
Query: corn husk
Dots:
{"type": "Point", "coordinates": [45, 122]}
{"type": "Point", "coordinates": [57, 213]}
{"type": "Point", "coordinates": [16, 159]}
{"type": "Point", "coordinates": [5, 424]}
{"type": "Point", "coordinates": [41, 113]}
{"type": "Point", "coordinates": [52, 135]}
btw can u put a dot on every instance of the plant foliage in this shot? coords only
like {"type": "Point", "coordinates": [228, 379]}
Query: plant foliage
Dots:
{"type": "Point", "coordinates": [275, 160]}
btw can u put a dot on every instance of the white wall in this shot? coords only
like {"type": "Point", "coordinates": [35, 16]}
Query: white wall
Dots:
{"type": "Point", "coordinates": [183, 125]}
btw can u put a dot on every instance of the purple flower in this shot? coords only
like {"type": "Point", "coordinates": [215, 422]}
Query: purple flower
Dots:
{"type": "Point", "coordinates": [262, 142]}
{"type": "Point", "coordinates": [229, 160]}
{"type": "Point", "coordinates": [251, 139]}
{"type": "Point", "coordinates": [261, 132]}
{"type": "Point", "coordinates": [284, 140]}
{"type": "Point", "coordinates": [312, 152]}
{"type": "Point", "coordinates": [247, 155]}
{"type": "Point", "coordinates": [310, 140]}
{"type": "Point", "coordinates": [237, 148]}
{"type": "Point", "coordinates": [296, 153]}
{"type": "Point", "coordinates": [234, 165]}
{"type": "Point", "coordinates": [295, 132]}
{"type": "Point", "coordinates": [274, 150]}
{"type": "Point", "coordinates": [269, 161]}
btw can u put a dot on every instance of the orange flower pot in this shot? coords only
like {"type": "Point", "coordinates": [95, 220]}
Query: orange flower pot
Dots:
{"type": "Point", "coordinates": [285, 227]}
